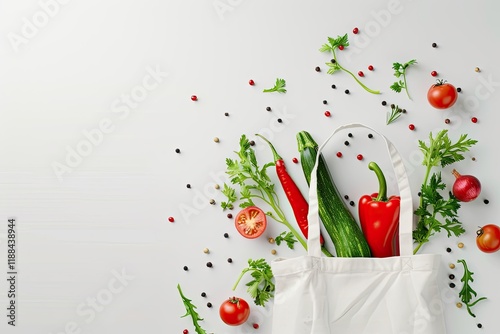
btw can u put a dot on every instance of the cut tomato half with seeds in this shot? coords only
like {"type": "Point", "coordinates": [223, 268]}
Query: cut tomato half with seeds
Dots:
{"type": "Point", "coordinates": [251, 222]}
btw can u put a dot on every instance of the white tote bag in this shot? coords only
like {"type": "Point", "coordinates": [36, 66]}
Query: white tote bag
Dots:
{"type": "Point", "coordinates": [394, 295]}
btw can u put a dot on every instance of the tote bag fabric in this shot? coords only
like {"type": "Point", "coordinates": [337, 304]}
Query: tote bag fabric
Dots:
{"type": "Point", "coordinates": [394, 295]}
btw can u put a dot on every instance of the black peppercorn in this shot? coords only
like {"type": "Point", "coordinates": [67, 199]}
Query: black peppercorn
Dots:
{"type": "Point", "coordinates": [251, 142]}
{"type": "Point", "coordinates": [333, 86]}
{"type": "Point", "coordinates": [486, 201]}
{"type": "Point", "coordinates": [346, 91]}
{"type": "Point", "coordinates": [370, 135]}
{"type": "Point", "coordinates": [434, 45]}
{"type": "Point", "coordinates": [479, 326]}
{"type": "Point", "coordinates": [186, 268]}
{"type": "Point", "coordinates": [351, 203]}
{"type": "Point", "coordinates": [318, 69]}
{"type": "Point", "coordinates": [230, 260]}
{"type": "Point", "coordinates": [209, 264]}
{"type": "Point", "coordinates": [333, 61]}
{"type": "Point", "coordinates": [325, 102]}
{"type": "Point", "coordinates": [452, 285]}
{"type": "Point", "coordinates": [419, 194]}
{"type": "Point", "coordinates": [346, 143]}
{"type": "Point", "coordinates": [226, 114]}
{"type": "Point", "coordinates": [177, 150]}
{"type": "Point", "coordinates": [384, 103]}
{"type": "Point", "coordinates": [229, 215]}
{"type": "Point", "coordinates": [349, 135]}
{"type": "Point", "coordinates": [209, 304]}
{"type": "Point", "coordinates": [280, 120]}
{"type": "Point", "coordinates": [346, 196]}
{"type": "Point", "coordinates": [403, 111]}
{"type": "Point", "coordinates": [451, 276]}
{"type": "Point", "coordinates": [447, 121]}
{"type": "Point", "coordinates": [188, 186]}
{"type": "Point", "coordinates": [448, 250]}
{"type": "Point", "coordinates": [459, 89]}
{"type": "Point", "coordinates": [268, 108]}
{"type": "Point", "coordinates": [226, 235]}
{"type": "Point", "coordinates": [203, 294]}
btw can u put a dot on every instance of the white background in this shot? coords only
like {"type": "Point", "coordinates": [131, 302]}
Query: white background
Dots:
{"type": "Point", "coordinates": [107, 212]}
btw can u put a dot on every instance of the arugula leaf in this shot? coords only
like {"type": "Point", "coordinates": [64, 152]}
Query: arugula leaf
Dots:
{"type": "Point", "coordinates": [262, 287]}
{"type": "Point", "coordinates": [400, 70]}
{"type": "Point", "coordinates": [433, 208]}
{"type": "Point", "coordinates": [279, 87]}
{"type": "Point", "coordinates": [466, 294]}
{"type": "Point", "coordinates": [287, 237]}
{"type": "Point", "coordinates": [333, 66]}
{"type": "Point", "coordinates": [191, 311]}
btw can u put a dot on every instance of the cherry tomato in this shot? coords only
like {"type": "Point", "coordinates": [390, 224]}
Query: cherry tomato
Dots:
{"type": "Point", "coordinates": [234, 311]}
{"type": "Point", "coordinates": [488, 238]}
{"type": "Point", "coordinates": [442, 95]}
{"type": "Point", "coordinates": [251, 222]}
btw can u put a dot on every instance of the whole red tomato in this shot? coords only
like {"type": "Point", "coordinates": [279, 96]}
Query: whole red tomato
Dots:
{"type": "Point", "coordinates": [442, 95]}
{"type": "Point", "coordinates": [234, 311]}
{"type": "Point", "coordinates": [488, 238]}
{"type": "Point", "coordinates": [251, 222]}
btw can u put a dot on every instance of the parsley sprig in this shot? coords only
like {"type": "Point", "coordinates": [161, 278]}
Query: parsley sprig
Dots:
{"type": "Point", "coordinates": [254, 184]}
{"type": "Point", "coordinates": [286, 237]}
{"type": "Point", "coordinates": [395, 113]}
{"type": "Point", "coordinates": [191, 311]}
{"type": "Point", "coordinates": [433, 207]}
{"type": "Point", "coordinates": [333, 65]}
{"type": "Point", "coordinates": [400, 70]}
{"type": "Point", "coordinates": [279, 87]}
{"type": "Point", "coordinates": [466, 294]}
{"type": "Point", "coordinates": [262, 287]}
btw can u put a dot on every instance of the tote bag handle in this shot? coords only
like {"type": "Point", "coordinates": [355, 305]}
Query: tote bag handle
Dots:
{"type": "Point", "coordinates": [406, 207]}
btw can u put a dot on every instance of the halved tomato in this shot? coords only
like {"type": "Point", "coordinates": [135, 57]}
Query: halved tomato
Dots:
{"type": "Point", "coordinates": [251, 222]}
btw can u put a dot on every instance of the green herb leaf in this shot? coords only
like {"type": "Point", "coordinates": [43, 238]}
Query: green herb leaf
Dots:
{"type": "Point", "coordinates": [191, 311]}
{"type": "Point", "coordinates": [395, 113]}
{"type": "Point", "coordinates": [400, 70]}
{"type": "Point", "coordinates": [261, 287]}
{"type": "Point", "coordinates": [279, 87]}
{"type": "Point", "coordinates": [467, 293]}
{"type": "Point", "coordinates": [441, 151]}
{"type": "Point", "coordinates": [287, 237]}
{"type": "Point", "coordinates": [398, 86]}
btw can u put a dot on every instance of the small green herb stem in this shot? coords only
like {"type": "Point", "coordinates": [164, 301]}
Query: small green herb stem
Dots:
{"type": "Point", "coordinates": [355, 78]}
{"type": "Point", "coordinates": [241, 276]}
{"type": "Point", "coordinates": [406, 85]}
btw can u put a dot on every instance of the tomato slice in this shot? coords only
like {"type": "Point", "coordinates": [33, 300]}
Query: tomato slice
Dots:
{"type": "Point", "coordinates": [251, 222]}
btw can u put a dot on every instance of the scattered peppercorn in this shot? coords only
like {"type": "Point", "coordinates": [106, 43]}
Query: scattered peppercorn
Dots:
{"type": "Point", "coordinates": [295, 160]}
{"type": "Point", "coordinates": [212, 201]}
{"type": "Point", "coordinates": [346, 143]}
{"type": "Point", "coordinates": [460, 245]}
{"type": "Point", "coordinates": [203, 294]}
{"type": "Point", "coordinates": [473, 158]}
{"type": "Point", "coordinates": [317, 69]}
{"type": "Point", "coordinates": [448, 250]}
{"type": "Point", "coordinates": [479, 326]}
{"type": "Point", "coordinates": [341, 47]}
{"type": "Point", "coordinates": [349, 135]}
{"type": "Point", "coordinates": [434, 45]}
{"type": "Point", "coordinates": [325, 102]}
{"type": "Point", "coordinates": [346, 196]}
{"type": "Point", "coordinates": [177, 150]}
{"type": "Point", "coordinates": [185, 268]}
{"type": "Point", "coordinates": [280, 120]}
{"type": "Point", "coordinates": [328, 114]}
{"type": "Point", "coordinates": [209, 304]}
{"type": "Point", "coordinates": [229, 215]}
{"type": "Point", "coordinates": [273, 251]}
{"type": "Point", "coordinates": [459, 305]}
{"type": "Point", "coordinates": [370, 67]}
{"type": "Point", "coordinates": [185, 331]}
{"type": "Point", "coordinates": [251, 142]}
{"type": "Point", "coordinates": [359, 157]}
{"type": "Point", "coordinates": [268, 108]}
{"type": "Point", "coordinates": [256, 326]}
{"type": "Point", "coordinates": [411, 127]}
{"type": "Point", "coordinates": [486, 201]}
{"type": "Point", "coordinates": [403, 111]}
{"type": "Point", "coordinates": [434, 73]}
{"type": "Point", "coordinates": [209, 264]}
{"type": "Point", "coordinates": [226, 114]}
{"type": "Point", "coordinates": [477, 69]}
{"type": "Point", "coordinates": [339, 154]}
{"type": "Point", "coordinates": [361, 74]}
{"type": "Point", "coordinates": [419, 194]}
{"type": "Point", "coordinates": [346, 91]}
{"type": "Point", "coordinates": [452, 265]}
{"type": "Point", "coordinates": [447, 121]}
{"type": "Point", "coordinates": [333, 61]}
{"type": "Point", "coordinates": [355, 30]}
{"type": "Point", "coordinates": [474, 119]}
{"type": "Point", "coordinates": [171, 219]}
{"type": "Point", "coordinates": [451, 276]}
{"type": "Point", "coordinates": [334, 87]}
{"type": "Point", "coordinates": [370, 136]}
{"type": "Point", "coordinates": [452, 285]}
{"type": "Point", "coordinates": [194, 98]}
{"type": "Point", "coordinates": [384, 103]}
{"type": "Point", "coordinates": [216, 139]}
{"type": "Point", "coordinates": [230, 260]}
{"type": "Point", "coordinates": [226, 235]}
{"type": "Point", "coordinates": [251, 82]}
{"type": "Point", "coordinates": [206, 250]}
{"type": "Point", "coordinates": [459, 89]}
{"type": "Point", "coordinates": [271, 240]}
{"type": "Point", "coordinates": [188, 186]}
{"type": "Point", "coordinates": [217, 186]}
{"type": "Point", "coordinates": [351, 203]}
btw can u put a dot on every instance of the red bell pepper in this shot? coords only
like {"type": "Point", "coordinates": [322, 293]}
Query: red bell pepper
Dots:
{"type": "Point", "coordinates": [379, 218]}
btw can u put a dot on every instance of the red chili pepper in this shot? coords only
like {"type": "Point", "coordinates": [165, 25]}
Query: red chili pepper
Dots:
{"type": "Point", "coordinates": [379, 218]}
{"type": "Point", "coordinates": [297, 201]}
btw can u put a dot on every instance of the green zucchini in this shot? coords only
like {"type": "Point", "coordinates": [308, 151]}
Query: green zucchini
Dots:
{"type": "Point", "coordinates": [340, 224]}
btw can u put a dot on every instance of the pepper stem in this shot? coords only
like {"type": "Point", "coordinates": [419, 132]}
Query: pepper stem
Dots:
{"type": "Point", "coordinates": [275, 154]}
{"type": "Point", "coordinates": [382, 184]}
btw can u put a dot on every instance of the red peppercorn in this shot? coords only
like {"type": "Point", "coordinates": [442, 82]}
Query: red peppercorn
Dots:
{"type": "Point", "coordinates": [194, 98]}
{"type": "Point", "coordinates": [370, 67]}
{"type": "Point", "coordinates": [411, 127]}
{"type": "Point", "coordinates": [361, 74]}
{"type": "Point", "coordinates": [359, 157]}
{"type": "Point", "coordinates": [355, 30]}
{"type": "Point", "coordinates": [327, 113]}
{"type": "Point", "coordinates": [474, 119]}
{"type": "Point", "coordinates": [434, 73]}
{"type": "Point", "coordinates": [295, 160]}
{"type": "Point", "coordinates": [185, 331]}
{"type": "Point", "coordinates": [447, 121]}
{"type": "Point", "coordinates": [341, 47]}
{"type": "Point", "coordinates": [251, 82]}
{"type": "Point", "coordinates": [171, 219]}
{"type": "Point", "coordinates": [256, 326]}
{"type": "Point", "coordinates": [339, 154]}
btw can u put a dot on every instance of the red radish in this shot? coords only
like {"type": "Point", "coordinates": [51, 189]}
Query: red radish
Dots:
{"type": "Point", "coordinates": [466, 187]}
